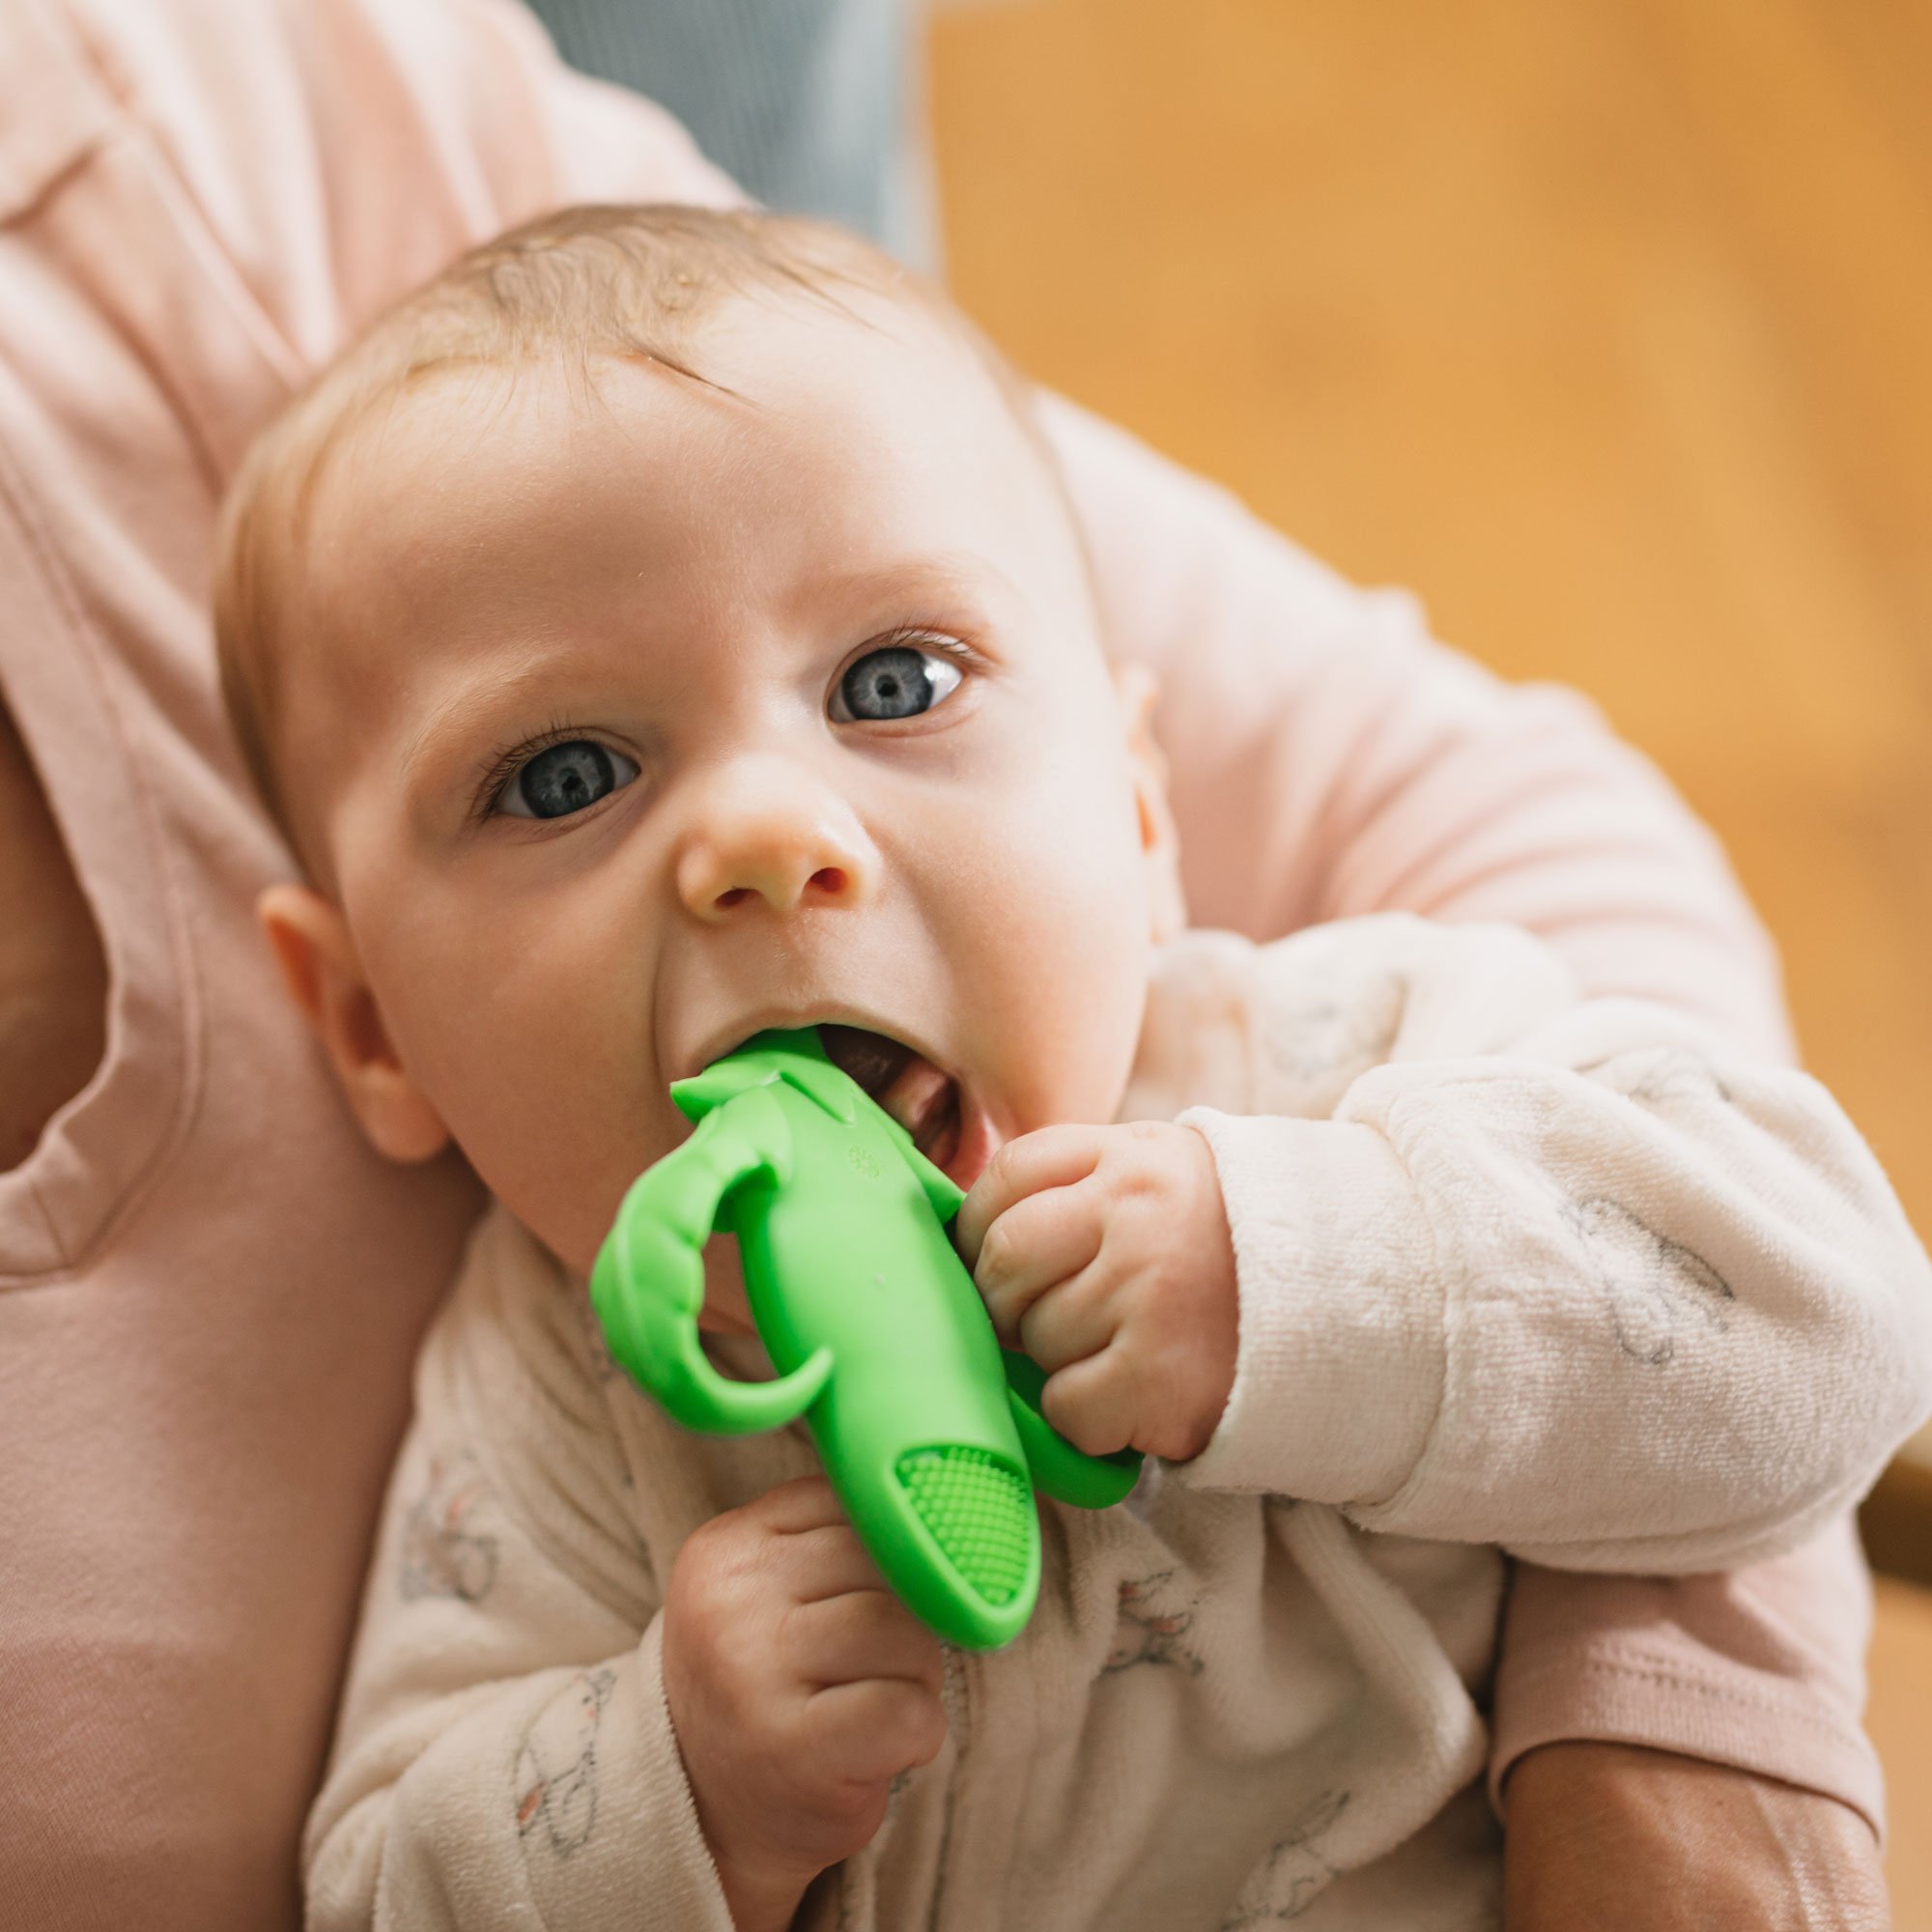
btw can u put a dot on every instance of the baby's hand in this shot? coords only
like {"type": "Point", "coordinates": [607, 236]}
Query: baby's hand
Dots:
{"type": "Point", "coordinates": [1104, 1253]}
{"type": "Point", "coordinates": [799, 1687]}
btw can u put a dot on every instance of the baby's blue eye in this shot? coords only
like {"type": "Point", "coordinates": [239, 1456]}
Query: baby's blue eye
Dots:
{"type": "Point", "coordinates": [562, 779]}
{"type": "Point", "coordinates": [900, 681]}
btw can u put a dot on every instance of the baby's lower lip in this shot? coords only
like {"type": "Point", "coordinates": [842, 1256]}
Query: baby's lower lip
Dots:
{"type": "Point", "coordinates": [923, 1099]}
{"type": "Point", "coordinates": [979, 1142]}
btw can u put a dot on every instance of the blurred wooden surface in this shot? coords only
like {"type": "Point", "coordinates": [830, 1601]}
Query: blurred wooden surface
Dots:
{"type": "Point", "coordinates": [1605, 325]}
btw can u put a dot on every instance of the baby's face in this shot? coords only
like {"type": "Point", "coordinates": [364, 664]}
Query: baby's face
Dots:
{"type": "Point", "coordinates": [634, 722]}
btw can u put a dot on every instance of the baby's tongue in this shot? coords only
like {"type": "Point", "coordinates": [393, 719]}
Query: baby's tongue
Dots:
{"type": "Point", "coordinates": [913, 1091]}
{"type": "Point", "coordinates": [917, 1098]}
{"type": "Point", "coordinates": [870, 1058]}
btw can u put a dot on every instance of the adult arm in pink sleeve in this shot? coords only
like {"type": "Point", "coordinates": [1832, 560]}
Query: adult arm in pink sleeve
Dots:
{"type": "Point", "coordinates": [1331, 758]}
{"type": "Point", "coordinates": [210, 1292]}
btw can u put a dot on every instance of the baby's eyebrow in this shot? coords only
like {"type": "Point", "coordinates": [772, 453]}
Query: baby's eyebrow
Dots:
{"type": "Point", "coordinates": [959, 574]}
{"type": "Point", "coordinates": [457, 718]}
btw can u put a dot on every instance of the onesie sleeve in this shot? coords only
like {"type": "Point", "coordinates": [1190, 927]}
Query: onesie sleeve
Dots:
{"type": "Point", "coordinates": [1573, 1277]}
{"type": "Point", "coordinates": [506, 1753]}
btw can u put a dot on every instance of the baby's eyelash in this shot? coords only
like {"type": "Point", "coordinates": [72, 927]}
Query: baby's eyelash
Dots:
{"type": "Point", "coordinates": [502, 764]}
{"type": "Point", "coordinates": [933, 640]}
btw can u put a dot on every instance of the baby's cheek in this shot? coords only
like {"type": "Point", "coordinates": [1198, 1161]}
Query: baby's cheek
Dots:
{"type": "Point", "coordinates": [567, 1198]}
{"type": "Point", "coordinates": [1071, 1029]}
{"type": "Point", "coordinates": [558, 1134]}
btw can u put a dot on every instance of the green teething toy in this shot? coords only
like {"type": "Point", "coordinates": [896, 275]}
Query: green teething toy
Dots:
{"type": "Point", "coordinates": [930, 1432]}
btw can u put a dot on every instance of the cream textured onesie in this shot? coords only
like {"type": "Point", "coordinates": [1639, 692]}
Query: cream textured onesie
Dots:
{"type": "Point", "coordinates": [1516, 1270]}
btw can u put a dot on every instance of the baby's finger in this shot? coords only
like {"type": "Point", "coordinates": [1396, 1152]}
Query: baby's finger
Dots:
{"type": "Point", "coordinates": [1074, 1318]}
{"type": "Point", "coordinates": [867, 1732]}
{"type": "Point", "coordinates": [805, 1504]}
{"type": "Point", "coordinates": [1036, 1243]}
{"type": "Point", "coordinates": [1047, 1158]}
{"type": "Point", "coordinates": [866, 1634]}
{"type": "Point", "coordinates": [830, 1561]}
{"type": "Point", "coordinates": [1093, 1404]}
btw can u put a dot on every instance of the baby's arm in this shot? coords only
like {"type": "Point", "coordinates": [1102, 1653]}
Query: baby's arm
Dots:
{"type": "Point", "coordinates": [1570, 1276]}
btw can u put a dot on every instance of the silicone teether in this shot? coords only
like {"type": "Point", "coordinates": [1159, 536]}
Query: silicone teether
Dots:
{"type": "Point", "coordinates": [930, 1432]}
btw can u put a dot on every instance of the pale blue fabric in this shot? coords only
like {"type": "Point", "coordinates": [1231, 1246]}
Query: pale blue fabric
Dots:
{"type": "Point", "coordinates": [810, 105]}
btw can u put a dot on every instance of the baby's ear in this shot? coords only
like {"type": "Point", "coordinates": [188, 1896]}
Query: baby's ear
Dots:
{"type": "Point", "coordinates": [325, 980]}
{"type": "Point", "coordinates": [1160, 843]}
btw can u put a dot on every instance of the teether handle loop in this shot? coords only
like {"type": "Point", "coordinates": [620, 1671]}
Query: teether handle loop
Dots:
{"type": "Point", "coordinates": [647, 1286]}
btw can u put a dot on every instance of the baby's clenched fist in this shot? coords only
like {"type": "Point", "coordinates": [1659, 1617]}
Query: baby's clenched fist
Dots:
{"type": "Point", "coordinates": [799, 1687]}
{"type": "Point", "coordinates": [1104, 1253]}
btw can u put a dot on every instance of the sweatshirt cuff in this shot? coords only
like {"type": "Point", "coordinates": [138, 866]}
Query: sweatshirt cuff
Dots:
{"type": "Point", "coordinates": [1634, 1696]}
{"type": "Point", "coordinates": [1339, 1361]}
{"type": "Point", "coordinates": [649, 1819]}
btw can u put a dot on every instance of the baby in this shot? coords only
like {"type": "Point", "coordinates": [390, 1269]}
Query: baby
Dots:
{"type": "Point", "coordinates": [670, 625]}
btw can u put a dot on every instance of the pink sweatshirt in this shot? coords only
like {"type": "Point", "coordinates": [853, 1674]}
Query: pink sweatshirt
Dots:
{"type": "Point", "coordinates": [212, 1289]}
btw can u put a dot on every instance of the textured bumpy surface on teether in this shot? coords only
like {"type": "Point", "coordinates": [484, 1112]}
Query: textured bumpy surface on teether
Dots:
{"type": "Point", "coordinates": [980, 1510]}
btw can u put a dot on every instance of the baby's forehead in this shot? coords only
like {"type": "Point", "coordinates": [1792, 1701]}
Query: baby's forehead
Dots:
{"type": "Point", "coordinates": [770, 350]}
{"type": "Point", "coordinates": [800, 448]}
{"type": "Point", "coordinates": [868, 388]}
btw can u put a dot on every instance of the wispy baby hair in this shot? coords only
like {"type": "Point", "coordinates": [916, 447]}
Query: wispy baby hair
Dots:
{"type": "Point", "coordinates": [570, 288]}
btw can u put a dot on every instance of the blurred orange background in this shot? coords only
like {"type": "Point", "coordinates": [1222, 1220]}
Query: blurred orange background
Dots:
{"type": "Point", "coordinates": [1607, 327]}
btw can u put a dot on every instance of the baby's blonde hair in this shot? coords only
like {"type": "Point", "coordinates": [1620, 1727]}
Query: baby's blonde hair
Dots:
{"type": "Point", "coordinates": [574, 286]}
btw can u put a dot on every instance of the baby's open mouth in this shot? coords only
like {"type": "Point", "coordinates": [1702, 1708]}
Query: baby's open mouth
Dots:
{"type": "Point", "coordinates": [907, 1086]}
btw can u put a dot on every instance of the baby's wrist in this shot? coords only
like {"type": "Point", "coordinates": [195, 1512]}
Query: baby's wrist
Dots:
{"type": "Point", "coordinates": [760, 1901]}
{"type": "Point", "coordinates": [1217, 1332]}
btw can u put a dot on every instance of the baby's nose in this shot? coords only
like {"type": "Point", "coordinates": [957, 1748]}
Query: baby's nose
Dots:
{"type": "Point", "coordinates": [776, 837]}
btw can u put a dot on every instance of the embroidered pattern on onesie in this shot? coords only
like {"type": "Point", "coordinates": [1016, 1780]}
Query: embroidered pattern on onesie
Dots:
{"type": "Point", "coordinates": [1295, 1874]}
{"type": "Point", "coordinates": [443, 1553]}
{"type": "Point", "coordinates": [1314, 1052]}
{"type": "Point", "coordinates": [557, 1767]}
{"type": "Point", "coordinates": [1155, 1625]}
{"type": "Point", "coordinates": [1655, 1287]}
